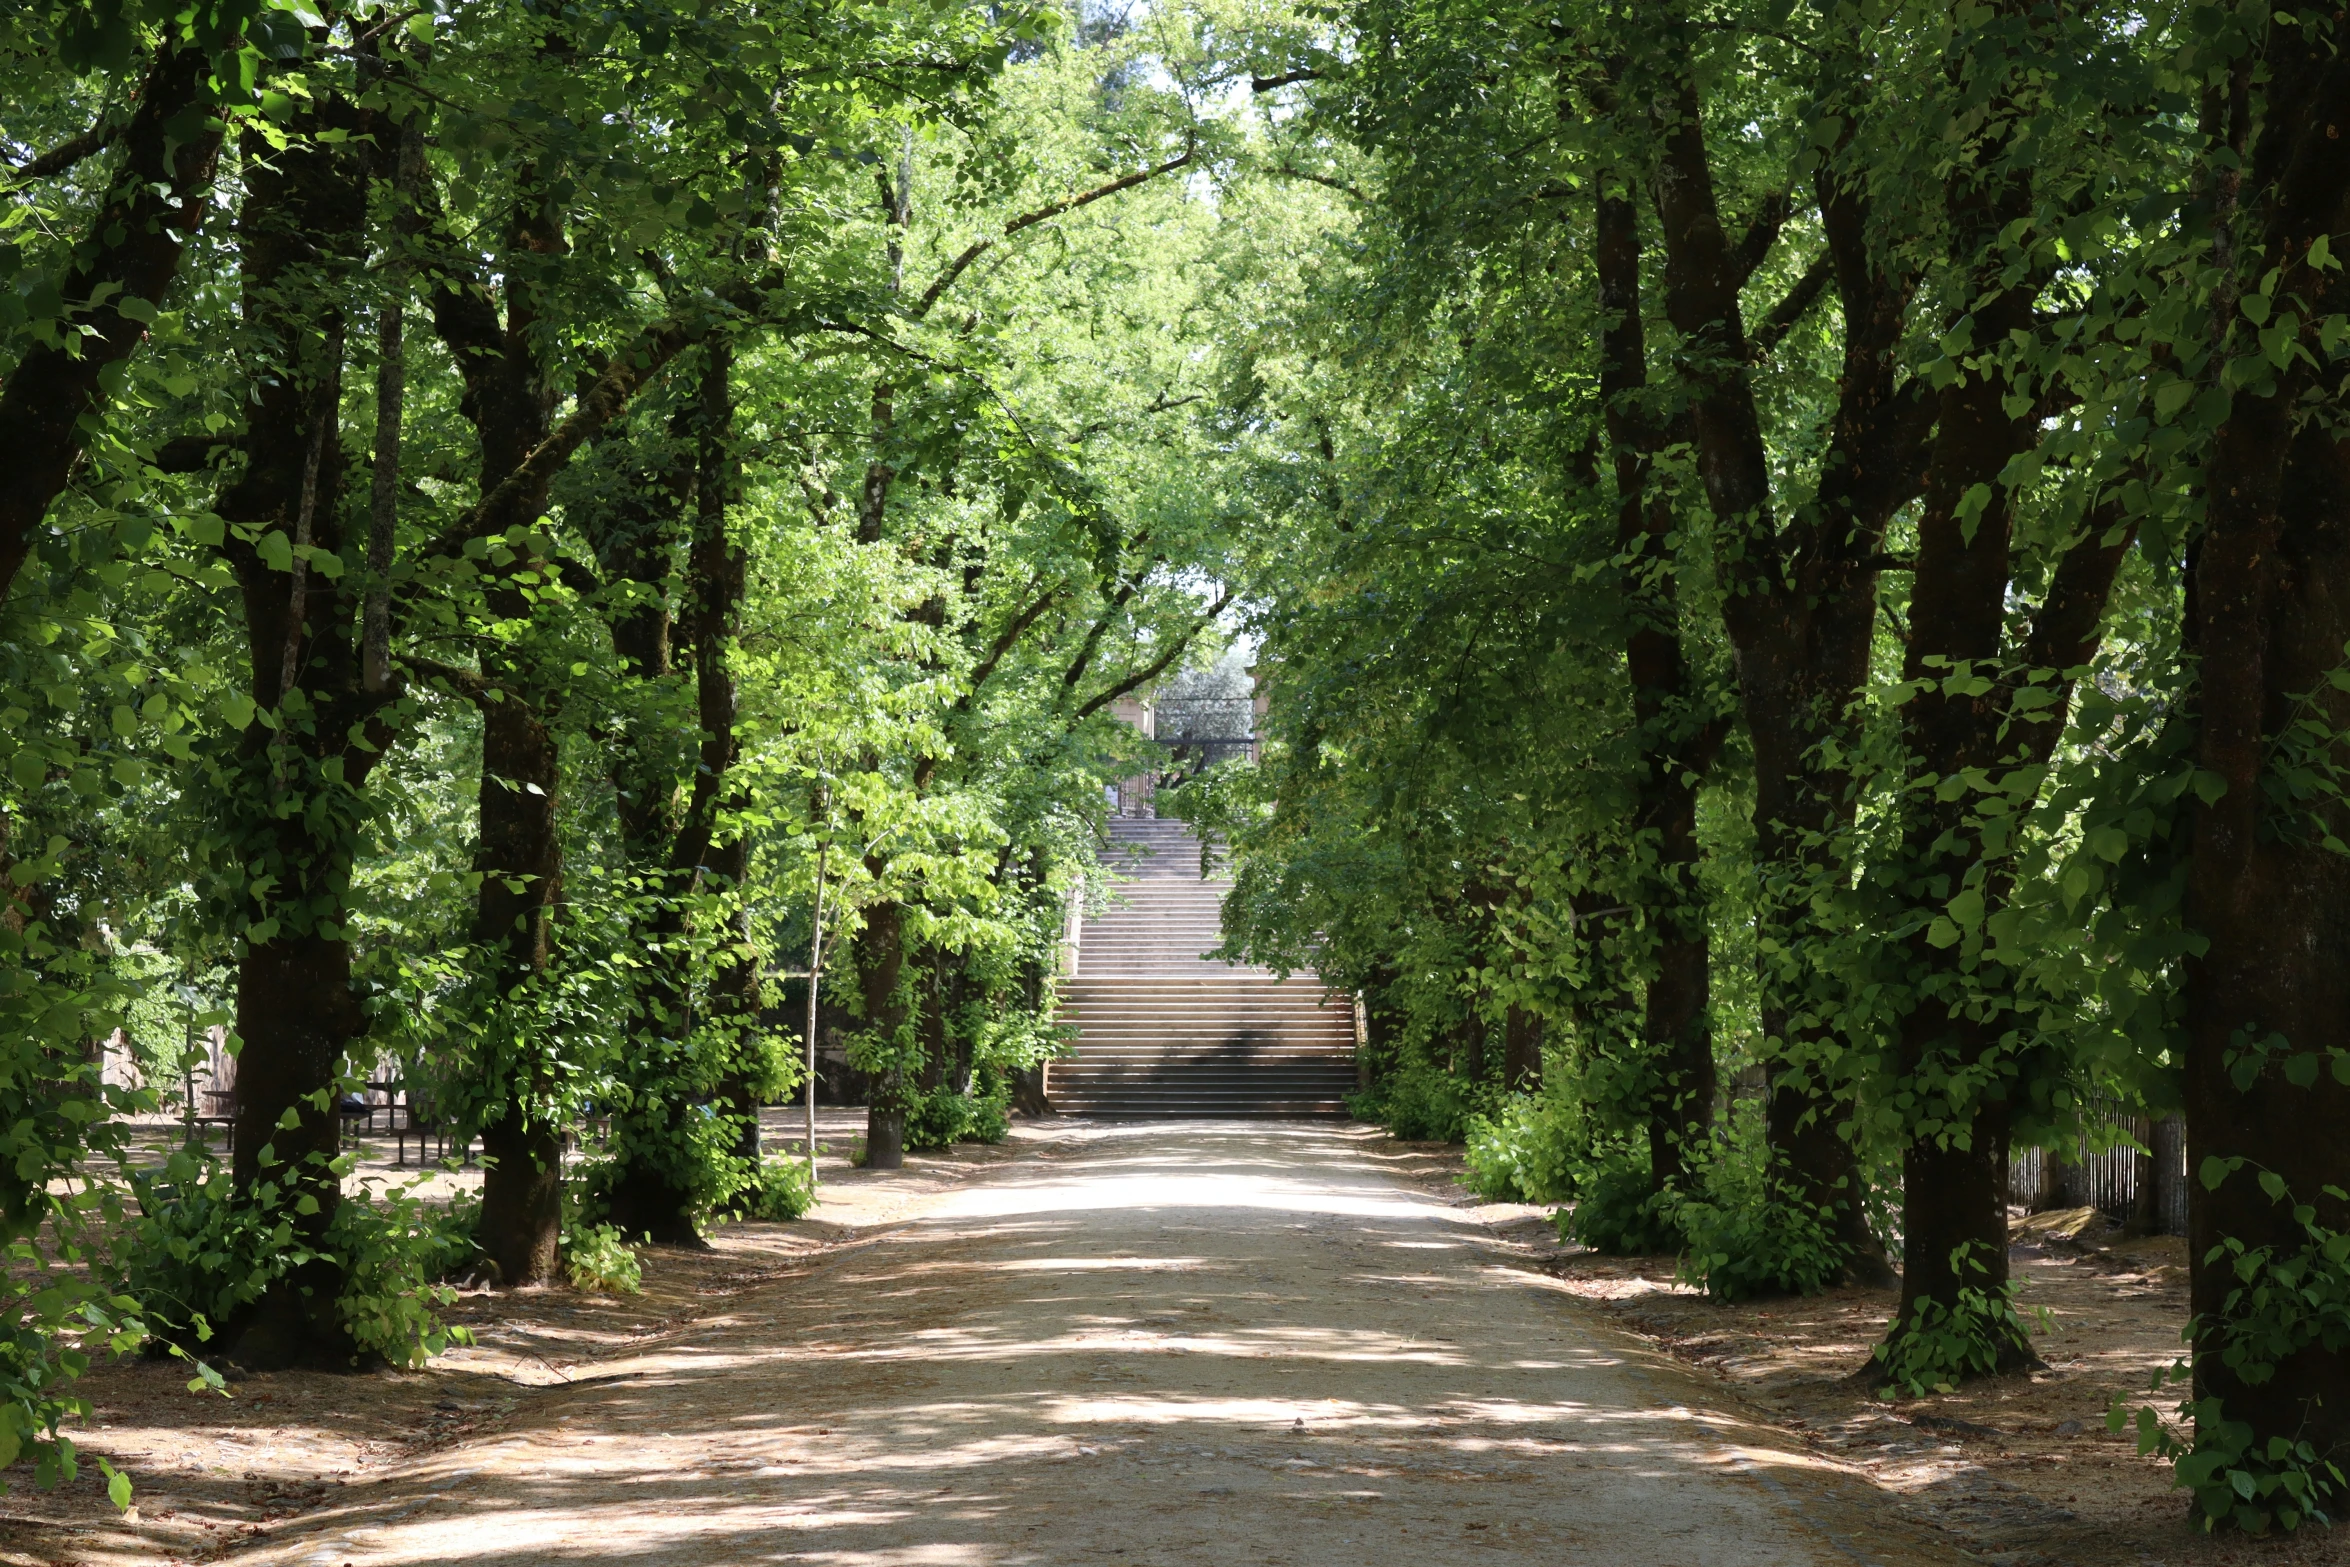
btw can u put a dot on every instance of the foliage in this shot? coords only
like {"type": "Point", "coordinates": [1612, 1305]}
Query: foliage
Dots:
{"type": "Point", "coordinates": [598, 1259]}
{"type": "Point", "coordinates": [2279, 1306]}
{"type": "Point", "coordinates": [395, 1250]}
{"type": "Point", "coordinates": [1748, 1234]}
{"type": "Point", "coordinates": [942, 1116]}
{"type": "Point", "coordinates": [1939, 1345]}
{"type": "Point", "coordinates": [195, 1256]}
{"type": "Point", "coordinates": [784, 1190]}
{"type": "Point", "coordinates": [1617, 1209]}
{"type": "Point", "coordinates": [1420, 1103]}
{"type": "Point", "coordinates": [1531, 1148]}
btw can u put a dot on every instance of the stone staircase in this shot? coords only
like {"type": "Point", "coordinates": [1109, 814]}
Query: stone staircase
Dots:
{"type": "Point", "coordinates": [1162, 1031]}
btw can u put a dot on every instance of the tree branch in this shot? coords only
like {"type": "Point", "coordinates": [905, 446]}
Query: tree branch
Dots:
{"type": "Point", "coordinates": [1339, 185]}
{"type": "Point", "coordinates": [1003, 645]}
{"type": "Point", "coordinates": [1760, 236]}
{"type": "Point", "coordinates": [1268, 83]}
{"type": "Point", "coordinates": [65, 154]}
{"type": "Point", "coordinates": [1146, 676]}
{"type": "Point", "coordinates": [977, 248]}
{"type": "Point", "coordinates": [1792, 307]}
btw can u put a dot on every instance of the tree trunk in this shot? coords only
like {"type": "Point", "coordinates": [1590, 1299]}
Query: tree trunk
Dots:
{"type": "Point", "coordinates": [300, 233]}
{"type": "Point", "coordinates": [135, 240]}
{"type": "Point", "coordinates": [295, 1014]}
{"type": "Point", "coordinates": [2268, 618]}
{"type": "Point", "coordinates": [1521, 1050]}
{"type": "Point", "coordinates": [1677, 738]}
{"type": "Point", "coordinates": [1800, 613]}
{"type": "Point", "coordinates": [881, 960]}
{"type": "Point", "coordinates": [518, 851]}
{"type": "Point", "coordinates": [521, 861]}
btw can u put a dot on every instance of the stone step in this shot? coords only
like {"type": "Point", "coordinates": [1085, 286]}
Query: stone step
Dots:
{"type": "Point", "coordinates": [1160, 1029]}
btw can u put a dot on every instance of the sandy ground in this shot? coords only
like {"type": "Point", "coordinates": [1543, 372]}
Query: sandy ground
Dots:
{"type": "Point", "coordinates": [1133, 1343]}
{"type": "Point", "coordinates": [1172, 1343]}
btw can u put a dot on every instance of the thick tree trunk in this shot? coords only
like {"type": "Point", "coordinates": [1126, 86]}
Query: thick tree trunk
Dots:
{"type": "Point", "coordinates": [295, 1014]}
{"type": "Point", "coordinates": [881, 960]}
{"type": "Point", "coordinates": [1677, 740]}
{"type": "Point", "coordinates": [2268, 618]}
{"type": "Point", "coordinates": [518, 850]}
{"type": "Point", "coordinates": [2274, 904]}
{"type": "Point", "coordinates": [1952, 1050]}
{"type": "Point", "coordinates": [521, 1227]}
{"type": "Point", "coordinates": [1800, 614]}
{"type": "Point", "coordinates": [300, 233]}
{"type": "Point", "coordinates": [520, 857]}
{"type": "Point", "coordinates": [132, 253]}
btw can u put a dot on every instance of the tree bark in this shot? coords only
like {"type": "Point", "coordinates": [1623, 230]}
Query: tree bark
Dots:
{"type": "Point", "coordinates": [2269, 616]}
{"type": "Point", "coordinates": [1521, 1050]}
{"type": "Point", "coordinates": [663, 1197]}
{"type": "Point", "coordinates": [1799, 607]}
{"type": "Point", "coordinates": [129, 258]}
{"type": "Point", "coordinates": [300, 235]}
{"type": "Point", "coordinates": [518, 851]}
{"type": "Point", "coordinates": [1676, 739]}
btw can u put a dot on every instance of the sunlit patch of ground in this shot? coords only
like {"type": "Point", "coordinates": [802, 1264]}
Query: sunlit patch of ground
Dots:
{"type": "Point", "coordinates": [2020, 1468]}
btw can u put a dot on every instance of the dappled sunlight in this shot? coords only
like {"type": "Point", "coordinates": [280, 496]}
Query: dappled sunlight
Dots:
{"type": "Point", "coordinates": [1044, 1368]}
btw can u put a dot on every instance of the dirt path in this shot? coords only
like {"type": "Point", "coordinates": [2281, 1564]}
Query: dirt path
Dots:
{"type": "Point", "coordinates": [1173, 1343]}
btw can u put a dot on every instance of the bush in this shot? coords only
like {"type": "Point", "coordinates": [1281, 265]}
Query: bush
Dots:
{"type": "Point", "coordinates": [1419, 1103]}
{"type": "Point", "coordinates": [1615, 1211]}
{"type": "Point", "coordinates": [1747, 1233]}
{"type": "Point", "coordinates": [1528, 1150]}
{"type": "Point", "coordinates": [395, 1251]}
{"type": "Point", "coordinates": [194, 1255]}
{"type": "Point", "coordinates": [942, 1117]}
{"type": "Point", "coordinates": [783, 1189]}
{"type": "Point", "coordinates": [598, 1260]}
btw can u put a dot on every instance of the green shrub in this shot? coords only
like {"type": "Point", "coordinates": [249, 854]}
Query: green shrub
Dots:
{"type": "Point", "coordinates": [1939, 1347]}
{"type": "Point", "coordinates": [598, 1260]}
{"type": "Point", "coordinates": [1529, 1148]}
{"type": "Point", "coordinates": [941, 1117]}
{"type": "Point", "coordinates": [1615, 1211]}
{"type": "Point", "coordinates": [395, 1251]}
{"type": "Point", "coordinates": [1747, 1233]}
{"type": "Point", "coordinates": [1419, 1103]}
{"type": "Point", "coordinates": [194, 1256]}
{"type": "Point", "coordinates": [784, 1189]}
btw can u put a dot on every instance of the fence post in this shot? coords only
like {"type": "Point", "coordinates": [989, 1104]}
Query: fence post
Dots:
{"type": "Point", "coordinates": [2170, 1174]}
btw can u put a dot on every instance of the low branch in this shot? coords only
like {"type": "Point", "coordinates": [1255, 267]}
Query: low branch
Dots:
{"type": "Point", "coordinates": [977, 248]}
{"type": "Point", "coordinates": [1760, 236]}
{"type": "Point", "coordinates": [1792, 307]}
{"type": "Point", "coordinates": [465, 682]}
{"type": "Point", "coordinates": [1003, 645]}
{"type": "Point", "coordinates": [1339, 185]}
{"type": "Point", "coordinates": [65, 154]}
{"type": "Point", "coordinates": [1146, 676]}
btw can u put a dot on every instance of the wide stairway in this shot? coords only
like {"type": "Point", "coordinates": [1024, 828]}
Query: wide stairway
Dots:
{"type": "Point", "coordinates": [1163, 1031]}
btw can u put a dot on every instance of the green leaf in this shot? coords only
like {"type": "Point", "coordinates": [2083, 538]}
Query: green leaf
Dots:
{"type": "Point", "coordinates": [2214, 1171]}
{"type": "Point", "coordinates": [276, 550]}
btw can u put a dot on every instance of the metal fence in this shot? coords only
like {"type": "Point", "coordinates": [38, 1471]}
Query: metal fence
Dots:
{"type": "Point", "coordinates": [2126, 1166]}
